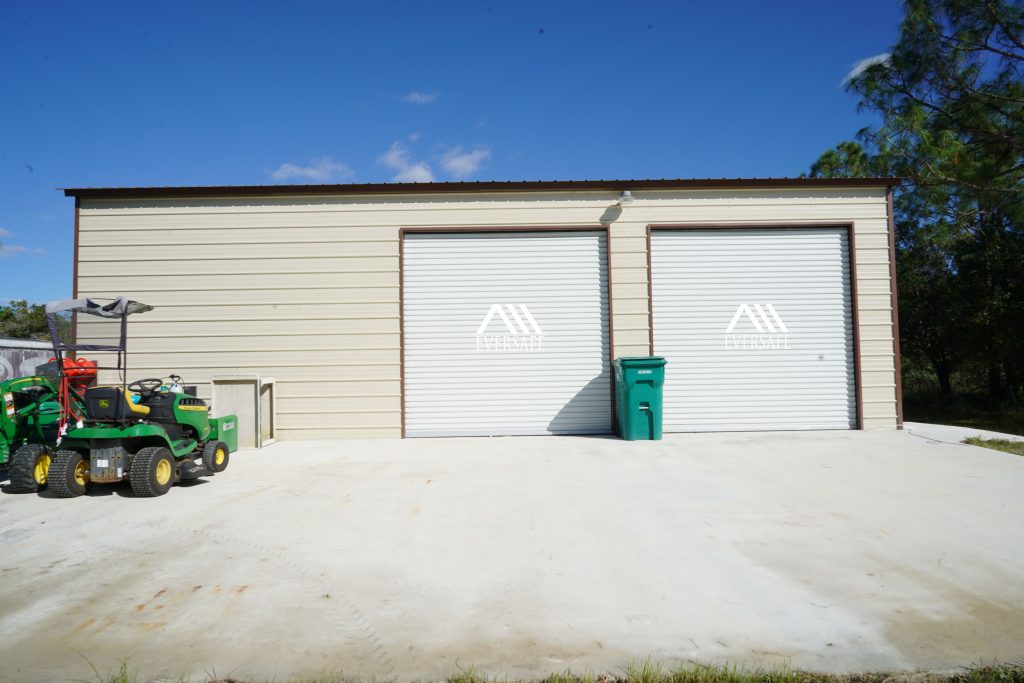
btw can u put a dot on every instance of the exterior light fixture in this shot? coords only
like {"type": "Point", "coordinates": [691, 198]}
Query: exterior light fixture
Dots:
{"type": "Point", "coordinates": [625, 198]}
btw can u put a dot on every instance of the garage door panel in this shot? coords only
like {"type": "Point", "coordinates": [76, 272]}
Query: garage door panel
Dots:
{"type": "Point", "coordinates": [506, 334]}
{"type": "Point", "coordinates": [735, 363]}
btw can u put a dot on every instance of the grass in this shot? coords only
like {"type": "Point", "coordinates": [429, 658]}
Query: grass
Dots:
{"type": "Point", "coordinates": [1005, 445]}
{"type": "Point", "coordinates": [122, 675]}
{"type": "Point", "coordinates": [1000, 673]}
{"type": "Point", "coordinates": [651, 672]}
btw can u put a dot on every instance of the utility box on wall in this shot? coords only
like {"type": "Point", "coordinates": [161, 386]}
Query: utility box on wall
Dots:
{"type": "Point", "coordinates": [251, 398]}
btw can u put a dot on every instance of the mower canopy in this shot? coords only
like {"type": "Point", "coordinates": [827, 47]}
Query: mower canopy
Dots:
{"type": "Point", "coordinates": [119, 308]}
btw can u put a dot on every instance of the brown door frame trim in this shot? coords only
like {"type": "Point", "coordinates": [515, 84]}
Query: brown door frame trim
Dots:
{"type": "Point", "coordinates": [74, 273]}
{"type": "Point", "coordinates": [894, 292]}
{"type": "Point", "coordinates": [808, 225]}
{"type": "Point", "coordinates": [402, 232]}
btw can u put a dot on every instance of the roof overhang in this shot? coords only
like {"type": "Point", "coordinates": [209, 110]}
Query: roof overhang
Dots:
{"type": "Point", "coordinates": [475, 186]}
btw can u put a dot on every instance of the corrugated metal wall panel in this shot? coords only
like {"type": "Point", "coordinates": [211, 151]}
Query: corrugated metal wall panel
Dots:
{"type": "Point", "coordinates": [465, 379]}
{"type": "Point", "coordinates": [797, 374]}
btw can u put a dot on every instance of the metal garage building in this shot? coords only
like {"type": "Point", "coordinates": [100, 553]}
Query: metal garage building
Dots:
{"type": "Point", "coordinates": [493, 308]}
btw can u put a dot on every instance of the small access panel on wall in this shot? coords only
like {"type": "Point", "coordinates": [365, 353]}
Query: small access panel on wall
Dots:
{"type": "Point", "coordinates": [251, 398]}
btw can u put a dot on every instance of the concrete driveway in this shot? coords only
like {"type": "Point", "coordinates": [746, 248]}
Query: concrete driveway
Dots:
{"type": "Point", "coordinates": [521, 556]}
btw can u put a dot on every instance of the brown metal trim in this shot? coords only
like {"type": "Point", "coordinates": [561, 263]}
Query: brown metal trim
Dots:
{"type": "Point", "coordinates": [851, 246]}
{"type": "Point", "coordinates": [401, 322]}
{"type": "Point", "coordinates": [402, 232]}
{"type": "Point", "coordinates": [749, 225]}
{"type": "Point", "coordinates": [611, 327]}
{"type": "Point", "coordinates": [607, 229]}
{"type": "Point", "coordinates": [74, 273]}
{"type": "Point", "coordinates": [478, 186]}
{"type": "Point", "coordinates": [503, 228]}
{"type": "Point", "coordinates": [894, 292]}
{"type": "Point", "coordinates": [650, 296]}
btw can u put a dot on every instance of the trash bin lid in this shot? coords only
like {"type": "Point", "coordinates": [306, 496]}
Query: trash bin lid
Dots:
{"type": "Point", "coordinates": [641, 361]}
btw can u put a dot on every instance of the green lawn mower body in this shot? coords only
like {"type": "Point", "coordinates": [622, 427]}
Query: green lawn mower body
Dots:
{"type": "Point", "coordinates": [177, 429]}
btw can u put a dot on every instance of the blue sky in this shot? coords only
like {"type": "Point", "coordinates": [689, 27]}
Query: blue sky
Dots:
{"type": "Point", "coordinates": [228, 93]}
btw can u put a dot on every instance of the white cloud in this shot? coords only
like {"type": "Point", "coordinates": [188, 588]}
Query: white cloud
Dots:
{"type": "Point", "coordinates": [462, 164]}
{"type": "Point", "coordinates": [408, 170]}
{"type": "Point", "coordinates": [419, 97]}
{"type": "Point", "coordinates": [7, 250]}
{"type": "Point", "coordinates": [861, 66]}
{"type": "Point", "coordinates": [413, 137]}
{"type": "Point", "coordinates": [320, 169]}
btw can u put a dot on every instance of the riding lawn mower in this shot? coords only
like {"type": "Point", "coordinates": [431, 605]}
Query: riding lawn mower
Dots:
{"type": "Point", "coordinates": [148, 432]}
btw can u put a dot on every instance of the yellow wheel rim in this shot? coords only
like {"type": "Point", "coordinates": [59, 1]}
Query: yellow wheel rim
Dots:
{"type": "Point", "coordinates": [82, 473]}
{"type": "Point", "coordinates": [163, 472]}
{"type": "Point", "coordinates": [42, 468]}
{"type": "Point", "coordinates": [218, 457]}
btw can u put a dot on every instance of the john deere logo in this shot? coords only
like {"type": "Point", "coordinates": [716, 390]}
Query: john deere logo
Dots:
{"type": "Point", "coordinates": [522, 333]}
{"type": "Point", "coordinates": [104, 403]}
{"type": "Point", "coordinates": [769, 330]}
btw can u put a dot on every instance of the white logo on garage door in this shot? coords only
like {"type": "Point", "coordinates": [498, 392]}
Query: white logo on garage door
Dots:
{"type": "Point", "coordinates": [770, 331]}
{"type": "Point", "coordinates": [523, 332]}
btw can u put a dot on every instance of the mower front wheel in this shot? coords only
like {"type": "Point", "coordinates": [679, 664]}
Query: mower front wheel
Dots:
{"type": "Point", "coordinates": [69, 474]}
{"type": "Point", "coordinates": [29, 468]}
{"type": "Point", "coordinates": [215, 456]}
{"type": "Point", "coordinates": [152, 472]}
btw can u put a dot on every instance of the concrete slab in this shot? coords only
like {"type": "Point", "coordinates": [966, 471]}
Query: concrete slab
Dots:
{"type": "Point", "coordinates": [410, 559]}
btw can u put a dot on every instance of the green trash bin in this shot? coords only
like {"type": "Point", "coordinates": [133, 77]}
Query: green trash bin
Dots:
{"type": "Point", "coordinates": [638, 384]}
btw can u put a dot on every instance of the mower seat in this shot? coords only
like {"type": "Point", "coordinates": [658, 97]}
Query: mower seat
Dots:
{"type": "Point", "coordinates": [112, 403]}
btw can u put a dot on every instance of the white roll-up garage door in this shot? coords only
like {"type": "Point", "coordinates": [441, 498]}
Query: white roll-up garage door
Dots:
{"type": "Point", "coordinates": [506, 333]}
{"type": "Point", "coordinates": [757, 327]}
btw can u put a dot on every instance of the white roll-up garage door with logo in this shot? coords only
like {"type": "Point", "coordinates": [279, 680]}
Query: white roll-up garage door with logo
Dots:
{"type": "Point", "coordinates": [506, 333]}
{"type": "Point", "coordinates": [757, 328]}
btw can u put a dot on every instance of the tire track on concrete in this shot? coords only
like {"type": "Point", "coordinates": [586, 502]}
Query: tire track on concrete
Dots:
{"type": "Point", "coordinates": [365, 633]}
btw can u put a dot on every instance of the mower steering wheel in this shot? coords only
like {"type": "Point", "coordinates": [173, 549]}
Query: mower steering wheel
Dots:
{"type": "Point", "coordinates": [146, 387]}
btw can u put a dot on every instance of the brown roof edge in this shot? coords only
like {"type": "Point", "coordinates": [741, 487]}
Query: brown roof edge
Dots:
{"type": "Point", "coordinates": [474, 186]}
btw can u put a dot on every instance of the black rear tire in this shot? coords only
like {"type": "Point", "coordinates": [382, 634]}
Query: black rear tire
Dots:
{"type": "Point", "coordinates": [216, 456]}
{"type": "Point", "coordinates": [29, 468]}
{"type": "Point", "coordinates": [69, 474]}
{"type": "Point", "coordinates": [152, 472]}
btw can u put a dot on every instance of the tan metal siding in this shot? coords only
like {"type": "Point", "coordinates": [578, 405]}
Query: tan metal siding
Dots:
{"type": "Point", "coordinates": [305, 288]}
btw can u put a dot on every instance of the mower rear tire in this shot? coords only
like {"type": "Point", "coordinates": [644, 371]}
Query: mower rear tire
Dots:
{"type": "Point", "coordinates": [69, 474]}
{"type": "Point", "coordinates": [29, 468]}
{"type": "Point", "coordinates": [152, 472]}
{"type": "Point", "coordinates": [215, 456]}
